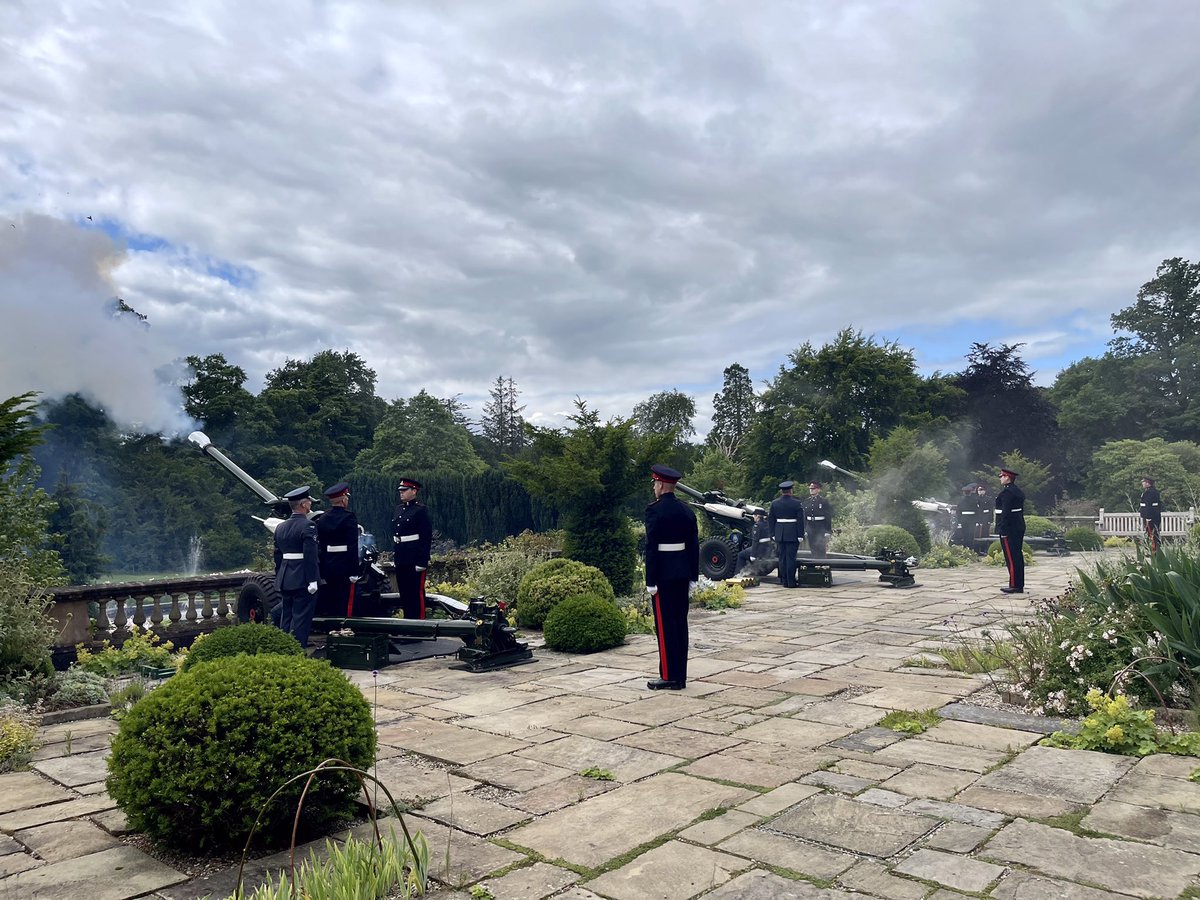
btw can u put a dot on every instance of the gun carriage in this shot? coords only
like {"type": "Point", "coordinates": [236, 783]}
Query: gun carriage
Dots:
{"type": "Point", "coordinates": [482, 626]}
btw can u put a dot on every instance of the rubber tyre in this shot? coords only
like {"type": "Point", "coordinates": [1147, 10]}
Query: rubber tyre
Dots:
{"type": "Point", "coordinates": [718, 559]}
{"type": "Point", "coordinates": [257, 598]}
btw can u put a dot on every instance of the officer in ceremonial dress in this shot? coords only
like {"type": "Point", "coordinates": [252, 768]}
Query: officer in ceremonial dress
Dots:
{"type": "Point", "coordinates": [967, 517]}
{"type": "Point", "coordinates": [786, 517]}
{"type": "Point", "coordinates": [337, 552]}
{"type": "Point", "coordinates": [818, 521]}
{"type": "Point", "coordinates": [1010, 528]}
{"type": "Point", "coordinates": [759, 546]}
{"type": "Point", "coordinates": [296, 567]}
{"type": "Point", "coordinates": [672, 564]}
{"type": "Point", "coordinates": [412, 532]}
{"type": "Point", "coordinates": [1150, 507]}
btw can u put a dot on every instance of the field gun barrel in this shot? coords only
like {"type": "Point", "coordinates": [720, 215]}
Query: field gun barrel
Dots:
{"type": "Point", "coordinates": [690, 491]}
{"type": "Point", "coordinates": [200, 439]}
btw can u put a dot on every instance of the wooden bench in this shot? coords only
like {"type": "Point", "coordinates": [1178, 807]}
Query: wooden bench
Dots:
{"type": "Point", "coordinates": [1129, 524]}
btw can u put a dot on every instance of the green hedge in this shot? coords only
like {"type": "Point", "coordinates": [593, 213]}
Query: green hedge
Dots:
{"type": "Point", "coordinates": [584, 624]}
{"type": "Point", "coordinates": [196, 759]}
{"type": "Point", "coordinates": [1084, 538]}
{"type": "Point", "coordinates": [892, 537]}
{"type": "Point", "coordinates": [251, 638]}
{"type": "Point", "coordinates": [548, 584]}
{"type": "Point", "coordinates": [466, 509]}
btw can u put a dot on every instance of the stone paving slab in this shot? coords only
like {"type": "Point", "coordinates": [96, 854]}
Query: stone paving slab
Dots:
{"type": "Point", "coordinates": [1080, 776]}
{"type": "Point", "coordinates": [21, 790]}
{"type": "Point", "coordinates": [955, 837]}
{"type": "Point", "coordinates": [776, 801]}
{"type": "Point", "coordinates": [523, 722]}
{"type": "Point", "coordinates": [935, 753]}
{"type": "Point", "coordinates": [530, 883]}
{"type": "Point", "coordinates": [951, 870]}
{"type": "Point", "coordinates": [868, 740]}
{"type": "Point", "coordinates": [986, 737]}
{"type": "Point", "coordinates": [1004, 718]}
{"type": "Point", "coordinates": [449, 743]}
{"type": "Point", "coordinates": [679, 742]}
{"type": "Point", "coordinates": [858, 827]}
{"type": "Point", "coordinates": [54, 812]}
{"type": "Point", "coordinates": [115, 874]}
{"type": "Point", "coordinates": [558, 794]}
{"type": "Point", "coordinates": [741, 771]}
{"type": "Point", "coordinates": [794, 733]}
{"type": "Point", "coordinates": [841, 712]}
{"type": "Point", "coordinates": [760, 885]}
{"type": "Point", "coordinates": [469, 858]}
{"type": "Point", "coordinates": [1009, 803]}
{"type": "Point", "coordinates": [514, 773]}
{"type": "Point", "coordinates": [412, 780]}
{"type": "Point", "coordinates": [674, 871]}
{"type": "Point", "coordinates": [472, 814]}
{"type": "Point", "coordinates": [784, 851]}
{"type": "Point", "coordinates": [872, 878]}
{"type": "Point", "coordinates": [1026, 886]}
{"type": "Point", "coordinates": [482, 703]}
{"type": "Point", "coordinates": [65, 840]}
{"type": "Point", "coordinates": [932, 782]}
{"type": "Point", "coordinates": [836, 781]}
{"type": "Point", "coordinates": [598, 727]}
{"type": "Point", "coordinates": [713, 831]}
{"type": "Point", "coordinates": [12, 863]}
{"type": "Point", "coordinates": [579, 753]}
{"type": "Point", "coordinates": [1165, 827]}
{"type": "Point", "coordinates": [76, 769]}
{"type": "Point", "coordinates": [1138, 869]}
{"type": "Point", "coordinates": [1156, 790]}
{"type": "Point", "coordinates": [956, 812]}
{"type": "Point", "coordinates": [604, 827]}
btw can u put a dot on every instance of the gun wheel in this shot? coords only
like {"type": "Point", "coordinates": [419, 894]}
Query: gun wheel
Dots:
{"type": "Point", "coordinates": [718, 559]}
{"type": "Point", "coordinates": [257, 598]}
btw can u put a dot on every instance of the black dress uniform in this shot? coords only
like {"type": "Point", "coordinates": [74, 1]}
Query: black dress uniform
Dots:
{"type": "Point", "coordinates": [337, 552]}
{"type": "Point", "coordinates": [966, 518]}
{"type": "Point", "coordinates": [672, 563]}
{"type": "Point", "coordinates": [412, 532]}
{"type": "Point", "coordinates": [1150, 506]}
{"type": "Point", "coordinates": [759, 547]}
{"type": "Point", "coordinates": [1010, 528]}
{"type": "Point", "coordinates": [818, 523]}
{"type": "Point", "coordinates": [786, 516]}
{"type": "Point", "coordinates": [295, 569]}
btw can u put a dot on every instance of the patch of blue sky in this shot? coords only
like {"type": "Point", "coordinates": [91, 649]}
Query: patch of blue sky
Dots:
{"type": "Point", "coordinates": [137, 242]}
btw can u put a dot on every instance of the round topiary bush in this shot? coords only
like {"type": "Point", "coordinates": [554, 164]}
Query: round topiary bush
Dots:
{"type": "Point", "coordinates": [548, 584]}
{"type": "Point", "coordinates": [1037, 526]}
{"type": "Point", "coordinates": [250, 637]}
{"type": "Point", "coordinates": [891, 537]}
{"type": "Point", "coordinates": [584, 624]}
{"type": "Point", "coordinates": [196, 759]}
{"type": "Point", "coordinates": [1084, 538]}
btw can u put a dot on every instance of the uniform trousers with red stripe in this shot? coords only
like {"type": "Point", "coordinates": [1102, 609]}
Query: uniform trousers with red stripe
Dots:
{"type": "Point", "coordinates": [411, 585]}
{"type": "Point", "coordinates": [1151, 533]}
{"type": "Point", "coordinates": [670, 624]}
{"type": "Point", "coordinates": [1014, 558]}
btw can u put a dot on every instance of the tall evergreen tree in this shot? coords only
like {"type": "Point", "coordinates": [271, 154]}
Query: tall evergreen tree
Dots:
{"type": "Point", "coordinates": [502, 423]}
{"type": "Point", "coordinates": [734, 409]}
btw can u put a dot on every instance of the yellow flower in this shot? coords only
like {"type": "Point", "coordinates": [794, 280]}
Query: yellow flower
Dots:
{"type": "Point", "coordinates": [1115, 735]}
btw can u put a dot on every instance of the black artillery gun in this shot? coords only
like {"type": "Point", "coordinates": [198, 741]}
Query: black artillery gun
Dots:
{"type": "Point", "coordinates": [488, 641]}
{"type": "Point", "coordinates": [734, 522]}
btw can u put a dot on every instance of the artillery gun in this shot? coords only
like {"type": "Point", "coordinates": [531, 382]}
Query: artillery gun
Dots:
{"type": "Point", "coordinates": [735, 519]}
{"type": "Point", "coordinates": [489, 642]}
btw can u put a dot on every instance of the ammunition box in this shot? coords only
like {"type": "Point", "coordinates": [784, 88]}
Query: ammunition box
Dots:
{"type": "Point", "coordinates": [359, 651]}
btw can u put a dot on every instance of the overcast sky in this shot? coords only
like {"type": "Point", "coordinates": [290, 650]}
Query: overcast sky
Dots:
{"type": "Point", "coordinates": [603, 199]}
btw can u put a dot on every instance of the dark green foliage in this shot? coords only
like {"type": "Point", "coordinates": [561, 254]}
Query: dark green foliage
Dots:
{"type": "Point", "coordinates": [1084, 538]}
{"type": "Point", "coordinates": [26, 630]}
{"type": "Point", "coordinates": [18, 433]}
{"type": "Point", "coordinates": [76, 532]}
{"type": "Point", "coordinates": [231, 640]}
{"type": "Point", "coordinates": [196, 759]}
{"type": "Point", "coordinates": [1037, 526]}
{"type": "Point", "coordinates": [892, 537]}
{"type": "Point", "coordinates": [76, 687]}
{"type": "Point", "coordinates": [584, 624]}
{"type": "Point", "coordinates": [553, 581]}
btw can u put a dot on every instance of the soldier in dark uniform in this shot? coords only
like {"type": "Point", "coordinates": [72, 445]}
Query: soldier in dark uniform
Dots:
{"type": "Point", "coordinates": [412, 532]}
{"type": "Point", "coordinates": [967, 517]}
{"type": "Point", "coordinates": [296, 569]}
{"type": "Point", "coordinates": [1150, 506]}
{"type": "Point", "coordinates": [1010, 527]}
{"type": "Point", "coordinates": [672, 564]}
{"type": "Point", "coordinates": [983, 513]}
{"type": "Point", "coordinates": [759, 546]}
{"type": "Point", "coordinates": [786, 517]}
{"type": "Point", "coordinates": [337, 552]}
{"type": "Point", "coordinates": [818, 521]}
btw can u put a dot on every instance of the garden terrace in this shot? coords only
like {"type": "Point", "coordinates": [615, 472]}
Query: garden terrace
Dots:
{"type": "Point", "coordinates": [1129, 524]}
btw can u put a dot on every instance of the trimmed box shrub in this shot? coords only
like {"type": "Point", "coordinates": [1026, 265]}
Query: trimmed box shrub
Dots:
{"type": "Point", "coordinates": [584, 624]}
{"type": "Point", "coordinates": [548, 584]}
{"type": "Point", "coordinates": [250, 637]}
{"type": "Point", "coordinates": [196, 759]}
{"type": "Point", "coordinates": [891, 537]}
{"type": "Point", "coordinates": [1084, 538]}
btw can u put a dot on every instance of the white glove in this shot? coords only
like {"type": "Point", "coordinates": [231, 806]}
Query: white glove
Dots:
{"type": "Point", "coordinates": [651, 589]}
{"type": "Point", "coordinates": [692, 585]}
{"type": "Point", "coordinates": [420, 568]}
{"type": "Point", "coordinates": [312, 587]}
{"type": "Point", "coordinates": [395, 539]}
{"type": "Point", "coordinates": [354, 579]}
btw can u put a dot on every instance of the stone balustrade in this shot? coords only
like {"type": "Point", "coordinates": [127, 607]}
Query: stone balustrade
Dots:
{"type": "Point", "coordinates": [179, 608]}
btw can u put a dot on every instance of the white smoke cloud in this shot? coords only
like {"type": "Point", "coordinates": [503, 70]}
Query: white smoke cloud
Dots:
{"type": "Point", "coordinates": [61, 334]}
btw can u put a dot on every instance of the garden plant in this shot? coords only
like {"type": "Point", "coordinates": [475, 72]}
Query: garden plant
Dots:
{"type": "Point", "coordinates": [250, 637]}
{"type": "Point", "coordinates": [584, 624]}
{"type": "Point", "coordinates": [548, 584]}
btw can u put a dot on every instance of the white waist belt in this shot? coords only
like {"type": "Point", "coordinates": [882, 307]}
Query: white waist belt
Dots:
{"type": "Point", "coordinates": [666, 548]}
{"type": "Point", "coordinates": [340, 548]}
{"type": "Point", "coordinates": [763, 540]}
{"type": "Point", "coordinates": [1018, 509]}
{"type": "Point", "coordinates": [785, 520]}
{"type": "Point", "coordinates": [405, 538]}
{"type": "Point", "coordinates": [966, 513]}
{"type": "Point", "coordinates": [293, 556]}
{"type": "Point", "coordinates": [813, 519]}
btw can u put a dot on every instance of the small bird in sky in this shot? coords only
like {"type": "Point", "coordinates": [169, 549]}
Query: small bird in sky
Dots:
{"type": "Point", "coordinates": [89, 218]}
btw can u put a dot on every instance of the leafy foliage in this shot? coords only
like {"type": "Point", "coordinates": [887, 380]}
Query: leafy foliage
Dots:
{"type": "Point", "coordinates": [1114, 478]}
{"type": "Point", "coordinates": [995, 554]}
{"type": "Point", "coordinates": [250, 637]}
{"type": "Point", "coordinates": [77, 687]}
{"type": "Point", "coordinates": [734, 410]}
{"type": "Point", "coordinates": [419, 435]}
{"type": "Point", "coordinates": [18, 432]}
{"type": "Point", "coordinates": [25, 511]}
{"type": "Point", "coordinates": [26, 629]}
{"type": "Point", "coordinates": [584, 624]}
{"type": "Point", "coordinates": [948, 556]}
{"type": "Point", "coordinates": [908, 721]}
{"type": "Point", "coordinates": [717, 595]}
{"type": "Point", "coordinates": [18, 737]}
{"type": "Point", "coordinates": [497, 573]}
{"type": "Point", "coordinates": [891, 537]}
{"type": "Point", "coordinates": [140, 648]}
{"type": "Point", "coordinates": [196, 759]}
{"type": "Point", "coordinates": [1114, 726]}
{"type": "Point", "coordinates": [1084, 538]}
{"type": "Point", "coordinates": [548, 584]}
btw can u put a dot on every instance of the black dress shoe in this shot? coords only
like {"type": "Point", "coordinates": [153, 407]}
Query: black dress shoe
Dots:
{"type": "Point", "coordinates": [1008, 590]}
{"type": "Point", "coordinates": [659, 685]}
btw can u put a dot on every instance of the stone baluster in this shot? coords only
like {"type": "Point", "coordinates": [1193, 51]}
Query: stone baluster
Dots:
{"type": "Point", "coordinates": [121, 619]}
{"type": "Point", "coordinates": [206, 610]}
{"type": "Point", "coordinates": [139, 611]}
{"type": "Point", "coordinates": [156, 613]}
{"type": "Point", "coordinates": [102, 622]}
{"type": "Point", "coordinates": [174, 614]}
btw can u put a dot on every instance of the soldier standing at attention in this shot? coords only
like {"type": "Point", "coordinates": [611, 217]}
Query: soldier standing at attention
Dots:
{"type": "Point", "coordinates": [296, 569]}
{"type": "Point", "coordinates": [1010, 528]}
{"type": "Point", "coordinates": [759, 546]}
{"type": "Point", "coordinates": [786, 517]}
{"type": "Point", "coordinates": [337, 552]}
{"type": "Point", "coordinates": [966, 517]}
{"type": "Point", "coordinates": [1150, 506]}
{"type": "Point", "coordinates": [983, 507]}
{"type": "Point", "coordinates": [672, 564]}
{"type": "Point", "coordinates": [412, 532]}
{"type": "Point", "coordinates": [818, 521]}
